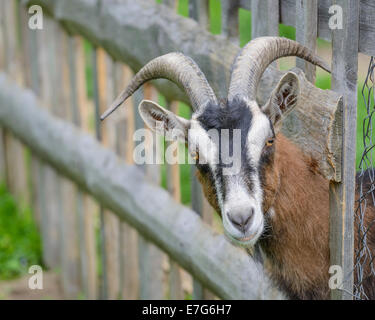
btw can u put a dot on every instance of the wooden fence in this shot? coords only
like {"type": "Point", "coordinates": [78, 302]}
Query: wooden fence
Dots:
{"type": "Point", "coordinates": [81, 191]}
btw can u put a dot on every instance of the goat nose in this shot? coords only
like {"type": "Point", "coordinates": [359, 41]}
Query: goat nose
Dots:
{"type": "Point", "coordinates": [241, 221]}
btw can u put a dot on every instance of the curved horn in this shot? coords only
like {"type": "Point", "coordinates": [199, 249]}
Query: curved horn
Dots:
{"type": "Point", "coordinates": [177, 68]}
{"type": "Point", "coordinates": [257, 55]}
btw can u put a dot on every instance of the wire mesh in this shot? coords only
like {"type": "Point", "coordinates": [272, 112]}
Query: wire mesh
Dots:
{"type": "Point", "coordinates": [364, 259]}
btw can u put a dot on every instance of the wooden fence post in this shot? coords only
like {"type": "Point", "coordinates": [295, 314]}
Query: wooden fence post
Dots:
{"type": "Point", "coordinates": [85, 206]}
{"type": "Point", "coordinates": [70, 266]}
{"type": "Point", "coordinates": [229, 19]}
{"type": "Point", "coordinates": [199, 12]}
{"type": "Point", "coordinates": [264, 18]}
{"type": "Point", "coordinates": [151, 259]}
{"type": "Point", "coordinates": [307, 32]}
{"type": "Point", "coordinates": [344, 80]}
{"type": "Point", "coordinates": [15, 153]}
{"type": "Point", "coordinates": [2, 67]}
{"type": "Point", "coordinates": [124, 146]}
{"type": "Point", "coordinates": [110, 223]}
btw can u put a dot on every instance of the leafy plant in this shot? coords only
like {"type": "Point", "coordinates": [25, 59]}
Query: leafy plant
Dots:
{"type": "Point", "coordinates": [20, 245]}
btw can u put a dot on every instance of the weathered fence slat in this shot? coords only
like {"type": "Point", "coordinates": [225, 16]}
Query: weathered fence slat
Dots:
{"type": "Point", "coordinates": [47, 179]}
{"type": "Point", "coordinates": [15, 152]}
{"type": "Point", "coordinates": [70, 265]}
{"type": "Point", "coordinates": [264, 18]}
{"type": "Point", "coordinates": [307, 32]}
{"type": "Point", "coordinates": [174, 187]}
{"type": "Point", "coordinates": [199, 12]}
{"type": "Point", "coordinates": [2, 67]}
{"type": "Point", "coordinates": [151, 260]}
{"type": "Point", "coordinates": [344, 81]}
{"type": "Point", "coordinates": [124, 148]}
{"type": "Point", "coordinates": [229, 19]}
{"type": "Point", "coordinates": [84, 205]}
{"type": "Point", "coordinates": [110, 224]}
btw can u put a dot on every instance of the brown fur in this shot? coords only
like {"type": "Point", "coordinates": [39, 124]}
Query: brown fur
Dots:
{"type": "Point", "coordinates": [297, 237]}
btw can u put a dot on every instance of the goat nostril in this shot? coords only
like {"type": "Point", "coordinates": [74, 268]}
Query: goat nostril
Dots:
{"type": "Point", "coordinates": [241, 222]}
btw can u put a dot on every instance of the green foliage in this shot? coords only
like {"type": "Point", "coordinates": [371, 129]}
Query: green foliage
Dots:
{"type": "Point", "coordinates": [20, 245]}
{"type": "Point", "coordinates": [244, 26]}
{"type": "Point", "coordinates": [287, 31]}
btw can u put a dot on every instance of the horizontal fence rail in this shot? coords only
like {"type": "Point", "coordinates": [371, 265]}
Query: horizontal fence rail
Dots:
{"type": "Point", "coordinates": [226, 270]}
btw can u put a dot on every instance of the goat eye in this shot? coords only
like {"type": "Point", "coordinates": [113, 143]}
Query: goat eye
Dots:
{"type": "Point", "coordinates": [195, 155]}
{"type": "Point", "coordinates": [269, 142]}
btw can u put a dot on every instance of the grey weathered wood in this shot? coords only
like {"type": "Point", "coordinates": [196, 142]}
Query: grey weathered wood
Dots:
{"type": "Point", "coordinates": [98, 134]}
{"type": "Point", "coordinates": [367, 27]}
{"type": "Point", "coordinates": [15, 152]}
{"type": "Point", "coordinates": [199, 11]}
{"type": "Point", "coordinates": [307, 32]}
{"type": "Point", "coordinates": [68, 218]}
{"type": "Point", "coordinates": [152, 282]}
{"type": "Point", "coordinates": [84, 207]}
{"type": "Point", "coordinates": [225, 269]}
{"type": "Point", "coordinates": [2, 66]}
{"type": "Point", "coordinates": [229, 19]}
{"type": "Point", "coordinates": [46, 187]}
{"type": "Point", "coordinates": [174, 187]}
{"type": "Point", "coordinates": [344, 81]}
{"type": "Point", "coordinates": [111, 223]}
{"type": "Point", "coordinates": [124, 148]}
{"type": "Point", "coordinates": [264, 18]}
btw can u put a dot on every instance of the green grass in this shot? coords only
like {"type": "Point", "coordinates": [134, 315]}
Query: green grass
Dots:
{"type": "Point", "coordinates": [20, 245]}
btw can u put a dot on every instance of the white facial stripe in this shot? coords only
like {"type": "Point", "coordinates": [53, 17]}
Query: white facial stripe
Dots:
{"type": "Point", "coordinates": [208, 152]}
{"type": "Point", "coordinates": [260, 130]}
{"type": "Point", "coordinates": [200, 140]}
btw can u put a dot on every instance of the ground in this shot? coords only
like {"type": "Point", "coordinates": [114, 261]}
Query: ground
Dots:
{"type": "Point", "coordinates": [18, 289]}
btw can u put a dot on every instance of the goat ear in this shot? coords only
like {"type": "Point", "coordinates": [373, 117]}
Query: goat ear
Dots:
{"type": "Point", "coordinates": [283, 98]}
{"type": "Point", "coordinates": [163, 121]}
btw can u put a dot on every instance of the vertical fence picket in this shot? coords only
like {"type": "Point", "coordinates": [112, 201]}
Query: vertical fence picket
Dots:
{"type": "Point", "coordinates": [30, 60]}
{"type": "Point", "coordinates": [307, 32]}
{"type": "Point", "coordinates": [229, 19]}
{"type": "Point", "coordinates": [110, 223]}
{"type": "Point", "coordinates": [15, 154]}
{"type": "Point", "coordinates": [43, 174]}
{"type": "Point", "coordinates": [98, 134]}
{"type": "Point", "coordinates": [199, 11]}
{"type": "Point", "coordinates": [173, 185]}
{"type": "Point", "coordinates": [70, 269]}
{"type": "Point", "coordinates": [151, 259]}
{"type": "Point", "coordinates": [344, 81]}
{"type": "Point", "coordinates": [84, 204]}
{"type": "Point", "coordinates": [2, 68]}
{"type": "Point", "coordinates": [124, 147]}
{"type": "Point", "coordinates": [264, 18]}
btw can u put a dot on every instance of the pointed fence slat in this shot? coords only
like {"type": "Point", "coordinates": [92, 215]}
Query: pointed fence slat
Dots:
{"type": "Point", "coordinates": [307, 32]}
{"type": "Point", "coordinates": [344, 81]}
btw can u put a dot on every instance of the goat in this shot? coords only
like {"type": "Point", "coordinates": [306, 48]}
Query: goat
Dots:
{"type": "Point", "coordinates": [277, 199]}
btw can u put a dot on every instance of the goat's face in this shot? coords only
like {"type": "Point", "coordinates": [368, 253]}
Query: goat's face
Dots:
{"type": "Point", "coordinates": [232, 141]}
{"type": "Point", "coordinates": [233, 145]}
